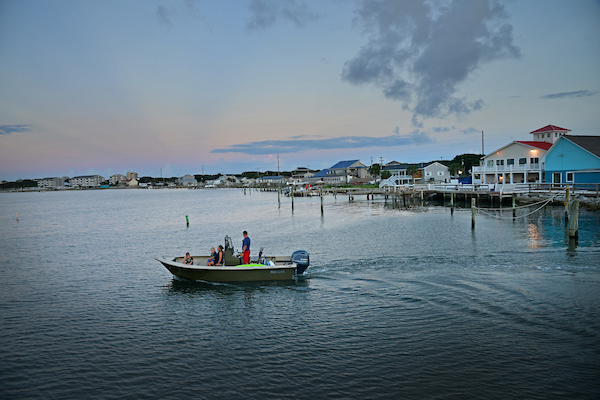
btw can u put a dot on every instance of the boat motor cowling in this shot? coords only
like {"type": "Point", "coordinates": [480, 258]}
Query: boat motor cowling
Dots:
{"type": "Point", "coordinates": [302, 259]}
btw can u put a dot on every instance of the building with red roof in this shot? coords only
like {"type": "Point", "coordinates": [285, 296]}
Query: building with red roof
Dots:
{"type": "Point", "coordinates": [518, 161]}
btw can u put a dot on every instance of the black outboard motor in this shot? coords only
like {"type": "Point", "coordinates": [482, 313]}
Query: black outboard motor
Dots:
{"type": "Point", "coordinates": [301, 258]}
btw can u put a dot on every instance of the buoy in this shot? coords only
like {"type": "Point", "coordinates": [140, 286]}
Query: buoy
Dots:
{"type": "Point", "coordinates": [187, 221]}
{"type": "Point", "coordinates": [17, 216]}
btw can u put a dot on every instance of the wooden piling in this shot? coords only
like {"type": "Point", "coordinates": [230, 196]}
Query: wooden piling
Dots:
{"type": "Point", "coordinates": [473, 209]}
{"type": "Point", "coordinates": [292, 195]}
{"type": "Point", "coordinates": [514, 207]}
{"type": "Point", "coordinates": [451, 203]}
{"type": "Point", "coordinates": [567, 204]}
{"type": "Point", "coordinates": [574, 221]}
{"type": "Point", "coordinates": [321, 193]}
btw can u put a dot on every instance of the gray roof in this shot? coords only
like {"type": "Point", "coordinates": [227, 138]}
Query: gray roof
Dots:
{"type": "Point", "coordinates": [590, 143]}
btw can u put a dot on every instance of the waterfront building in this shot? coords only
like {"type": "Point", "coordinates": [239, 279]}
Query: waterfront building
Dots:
{"type": "Point", "coordinates": [86, 181]}
{"type": "Point", "coordinates": [573, 159]}
{"type": "Point", "coordinates": [433, 172]}
{"type": "Point", "coordinates": [518, 161]}
{"type": "Point", "coordinates": [350, 169]}
{"type": "Point", "coordinates": [132, 175]}
{"type": "Point", "coordinates": [187, 180]}
{"type": "Point", "coordinates": [51, 183]}
{"type": "Point", "coordinates": [325, 177]}
{"type": "Point", "coordinates": [116, 179]}
{"type": "Point", "coordinates": [272, 180]}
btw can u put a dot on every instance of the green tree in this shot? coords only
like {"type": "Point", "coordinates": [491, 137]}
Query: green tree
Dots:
{"type": "Point", "coordinates": [385, 174]}
{"type": "Point", "coordinates": [412, 171]}
{"type": "Point", "coordinates": [375, 169]}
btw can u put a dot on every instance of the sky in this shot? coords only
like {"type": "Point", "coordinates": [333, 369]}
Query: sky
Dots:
{"type": "Point", "coordinates": [175, 87]}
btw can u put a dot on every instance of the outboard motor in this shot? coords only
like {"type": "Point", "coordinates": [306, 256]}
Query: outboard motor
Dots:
{"type": "Point", "coordinates": [301, 258]}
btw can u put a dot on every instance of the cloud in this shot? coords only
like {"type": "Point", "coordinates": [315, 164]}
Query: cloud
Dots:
{"type": "Point", "coordinates": [8, 129]}
{"type": "Point", "coordinates": [266, 12]}
{"type": "Point", "coordinates": [569, 95]}
{"type": "Point", "coordinates": [418, 52]}
{"type": "Point", "coordinates": [164, 16]}
{"type": "Point", "coordinates": [468, 131]}
{"type": "Point", "coordinates": [344, 142]}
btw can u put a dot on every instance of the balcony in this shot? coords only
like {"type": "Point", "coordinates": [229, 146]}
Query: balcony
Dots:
{"type": "Point", "coordinates": [507, 168]}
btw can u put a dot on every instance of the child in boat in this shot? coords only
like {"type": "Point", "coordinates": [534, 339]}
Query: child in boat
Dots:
{"type": "Point", "coordinates": [188, 260]}
{"type": "Point", "coordinates": [213, 254]}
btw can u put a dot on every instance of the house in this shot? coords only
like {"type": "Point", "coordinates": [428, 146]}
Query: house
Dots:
{"type": "Point", "coordinates": [272, 180]}
{"type": "Point", "coordinates": [187, 180]}
{"type": "Point", "coordinates": [434, 172]}
{"type": "Point", "coordinates": [518, 161]}
{"type": "Point", "coordinates": [573, 159]}
{"type": "Point", "coordinates": [325, 177]}
{"type": "Point", "coordinates": [349, 169]}
{"type": "Point", "coordinates": [86, 181]}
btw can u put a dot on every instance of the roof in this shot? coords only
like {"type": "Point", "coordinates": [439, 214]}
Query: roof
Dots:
{"type": "Point", "coordinates": [344, 164]}
{"type": "Point", "coordinates": [589, 143]}
{"type": "Point", "coordinates": [539, 145]}
{"type": "Point", "coordinates": [551, 128]}
{"type": "Point", "coordinates": [273, 177]}
{"type": "Point", "coordinates": [321, 173]}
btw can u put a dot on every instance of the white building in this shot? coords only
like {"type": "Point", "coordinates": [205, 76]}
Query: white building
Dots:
{"type": "Point", "coordinates": [116, 179]}
{"type": "Point", "coordinates": [51, 183]}
{"type": "Point", "coordinates": [518, 161]}
{"type": "Point", "coordinates": [187, 180]}
{"type": "Point", "coordinates": [87, 181]}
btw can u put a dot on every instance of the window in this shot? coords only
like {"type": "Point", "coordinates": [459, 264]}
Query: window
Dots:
{"type": "Point", "coordinates": [569, 177]}
{"type": "Point", "coordinates": [490, 163]}
{"type": "Point", "coordinates": [440, 173]}
{"type": "Point", "coordinates": [510, 161]}
{"type": "Point", "coordinates": [522, 161]}
{"type": "Point", "coordinates": [534, 160]}
{"type": "Point", "coordinates": [499, 162]}
{"type": "Point", "coordinates": [556, 177]}
{"type": "Point", "coordinates": [428, 173]}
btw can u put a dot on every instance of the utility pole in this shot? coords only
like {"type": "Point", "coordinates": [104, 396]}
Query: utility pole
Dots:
{"type": "Point", "coordinates": [482, 151]}
{"type": "Point", "coordinates": [278, 173]}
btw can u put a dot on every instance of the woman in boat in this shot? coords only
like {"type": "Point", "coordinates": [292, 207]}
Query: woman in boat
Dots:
{"type": "Point", "coordinates": [217, 257]}
{"type": "Point", "coordinates": [188, 260]}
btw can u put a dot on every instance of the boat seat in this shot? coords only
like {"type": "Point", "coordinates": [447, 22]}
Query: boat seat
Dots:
{"type": "Point", "coordinates": [229, 258]}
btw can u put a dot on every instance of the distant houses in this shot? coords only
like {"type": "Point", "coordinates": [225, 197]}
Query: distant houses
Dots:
{"type": "Point", "coordinates": [433, 172]}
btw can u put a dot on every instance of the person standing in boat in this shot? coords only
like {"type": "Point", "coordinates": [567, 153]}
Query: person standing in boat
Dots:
{"type": "Point", "coordinates": [246, 249]}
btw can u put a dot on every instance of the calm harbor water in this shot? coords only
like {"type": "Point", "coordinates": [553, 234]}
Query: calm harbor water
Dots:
{"type": "Point", "coordinates": [397, 303]}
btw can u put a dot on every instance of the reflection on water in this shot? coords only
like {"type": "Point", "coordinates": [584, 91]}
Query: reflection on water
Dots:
{"type": "Point", "coordinates": [534, 236]}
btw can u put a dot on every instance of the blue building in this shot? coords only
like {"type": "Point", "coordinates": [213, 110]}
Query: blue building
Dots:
{"type": "Point", "coordinates": [573, 159]}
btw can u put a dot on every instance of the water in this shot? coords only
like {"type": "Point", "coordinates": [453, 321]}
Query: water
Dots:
{"type": "Point", "coordinates": [397, 303]}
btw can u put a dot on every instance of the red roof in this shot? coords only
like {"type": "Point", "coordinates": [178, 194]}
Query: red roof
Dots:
{"type": "Point", "coordinates": [551, 128]}
{"type": "Point", "coordinates": [539, 145]}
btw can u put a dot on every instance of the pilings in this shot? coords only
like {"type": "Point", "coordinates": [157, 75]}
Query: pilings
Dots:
{"type": "Point", "coordinates": [473, 209]}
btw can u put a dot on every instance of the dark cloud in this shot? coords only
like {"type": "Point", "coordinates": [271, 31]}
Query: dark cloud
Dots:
{"type": "Point", "coordinates": [164, 16]}
{"type": "Point", "coordinates": [345, 142]}
{"type": "Point", "coordinates": [569, 95]}
{"type": "Point", "coordinates": [418, 52]}
{"type": "Point", "coordinates": [266, 12]}
{"type": "Point", "coordinates": [8, 129]}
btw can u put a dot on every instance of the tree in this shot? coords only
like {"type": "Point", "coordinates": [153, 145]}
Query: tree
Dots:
{"type": "Point", "coordinates": [375, 169]}
{"type": "Point", "coordinates": [412, 171]}
{"type": "Point", "coordinates": [385, 174]}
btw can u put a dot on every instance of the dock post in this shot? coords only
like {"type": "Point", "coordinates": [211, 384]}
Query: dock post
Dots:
{"type": "Point", "coordinates": [452, 203]}
{"type": "Point", "coordinates": [321, 193]}
{"type": "Point", "coordinates": [279, 198]}
{"type": "Point", "coordinates": [574, 221]}
{"type": "Point", "coordinates": [567, 204]}
{"type": "Point", "coordinates": [473, 209]}
{"type": "Point", "coordinates": [292, 195]}
{"type": "Point", "coordinates": [514, 200]}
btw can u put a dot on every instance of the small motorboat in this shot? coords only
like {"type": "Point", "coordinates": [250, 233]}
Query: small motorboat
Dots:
{"type": "Point", "coordinates": [261, 267]}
